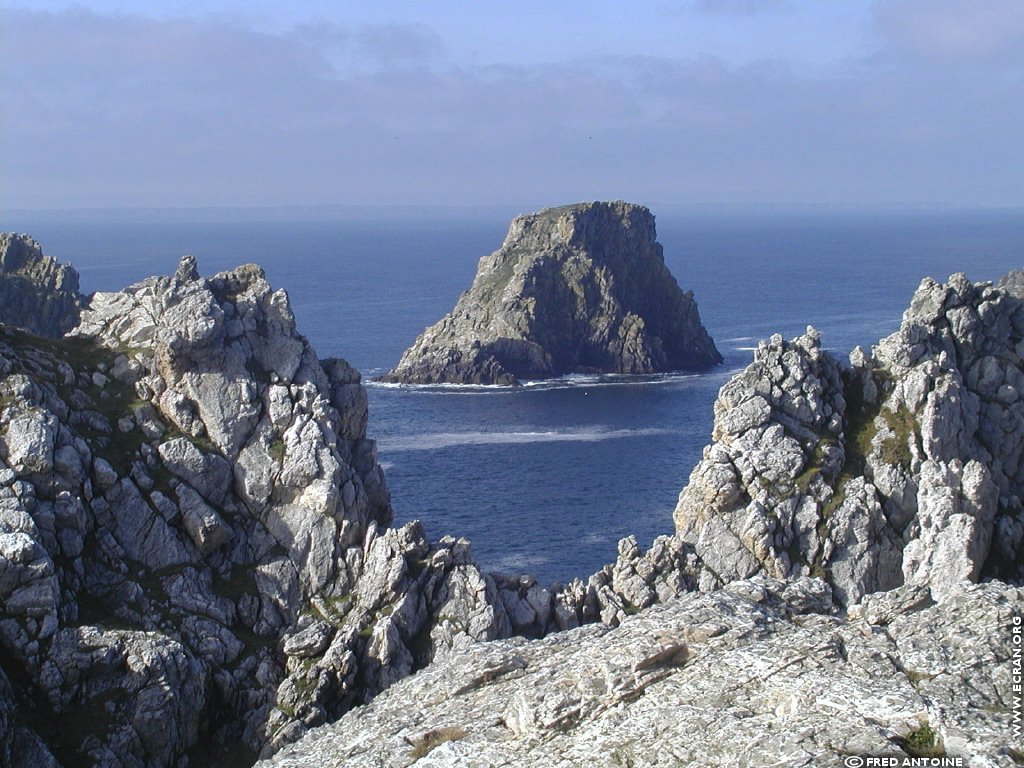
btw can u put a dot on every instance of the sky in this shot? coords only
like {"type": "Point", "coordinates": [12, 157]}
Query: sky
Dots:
{"type": "Point", "coordinates": [846, 103]}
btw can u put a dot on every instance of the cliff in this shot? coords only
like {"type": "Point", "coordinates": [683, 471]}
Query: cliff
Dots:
{"type": "Point", "coordinates": [37, 292]}
{"type": "Point", "coordinates": [900, 466]}
{"type": "Point", "coordinates": [578, 289]}
{"type": "Point", "coordinates": [196, 563]}
{"type": "Point", "coordinates": [195, 559]}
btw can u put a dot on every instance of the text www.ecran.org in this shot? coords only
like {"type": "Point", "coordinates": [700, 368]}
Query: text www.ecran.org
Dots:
{"type": "Point", "coordinates": [1015, 671]}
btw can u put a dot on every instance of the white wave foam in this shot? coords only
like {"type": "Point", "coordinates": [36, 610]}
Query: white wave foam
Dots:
{"type": "Point", "coordinates": [745, 349]}
{"type": "Point", "coordinates": [609, 380]}
{"type": "Point", "coordinates": [571, 381]}
{"type": "Point", "coordinates": [517, 564]}
{"type": "Point", "coordinates": [428, 389]}
{"type": "Point", "coordinates": [434, 440]}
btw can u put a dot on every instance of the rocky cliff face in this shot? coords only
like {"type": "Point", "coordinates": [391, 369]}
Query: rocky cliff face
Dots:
{"type": "Point", "coordinates": [900, 466]}
{"type": "Point", "coordinates": [583, 288]}
{"type": "Point", "coordinates": [194, 545]}
{"type": "Point", "coordinates": [37, 293]}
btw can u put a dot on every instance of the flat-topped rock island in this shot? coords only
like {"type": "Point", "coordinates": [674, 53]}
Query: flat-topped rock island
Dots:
{"type": "Point", "coordinates": [577, 289]}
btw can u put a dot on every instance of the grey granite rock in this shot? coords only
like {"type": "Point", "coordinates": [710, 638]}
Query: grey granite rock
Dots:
{"type": "Point", "coordinates": [901, 465]}
{"type": "Point", "coordinates": [145, 692]}
{"type": "Point", "coordinates": [582, 288]}
{"type": "Point", "coordinates": [743, 676]}
{"type": "Point", "coordinates": [183, 468]}
{"type": "Point", "coordinates": [37, 292]}
{"type": "Point", "coordinates": [195, 545]}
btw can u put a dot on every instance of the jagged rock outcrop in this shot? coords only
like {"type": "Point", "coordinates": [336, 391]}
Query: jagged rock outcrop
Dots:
{"type": "Point", "coordinates": [192, 522]}
{"type": "Point", "coordinates": [416, 602]}
{"type": "Point", "coordinates": [194, 544]}
{"type": "Point", "coordinates": [582, 288]}
{"type": "Point", "coordinates": [37, 292]}
{"type": "Point", "coordinates": [902, 466]}
{"type": "Point", "coordinates": [758, 673]}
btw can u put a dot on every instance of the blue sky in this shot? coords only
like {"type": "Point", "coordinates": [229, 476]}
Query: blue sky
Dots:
{"type": "Point", "coordinates": [737, 102]}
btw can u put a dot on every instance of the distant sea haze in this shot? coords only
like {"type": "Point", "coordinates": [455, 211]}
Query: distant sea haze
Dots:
{"type": "Point", "coordinates": [545, 479]}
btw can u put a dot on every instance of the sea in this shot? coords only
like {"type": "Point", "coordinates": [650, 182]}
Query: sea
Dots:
{"type": "Point", "coordinates": [546, 478]}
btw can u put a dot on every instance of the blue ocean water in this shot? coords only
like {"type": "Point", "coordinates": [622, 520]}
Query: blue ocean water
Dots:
{"type": "Point", "coordinates": [545, 479]}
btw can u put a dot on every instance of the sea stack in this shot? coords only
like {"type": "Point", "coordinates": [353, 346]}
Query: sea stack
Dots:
{"type": "Point", "coordinates": [577, 289]}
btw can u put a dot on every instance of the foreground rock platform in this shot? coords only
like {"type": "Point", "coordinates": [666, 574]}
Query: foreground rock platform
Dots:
{"type": "Point", "coordinates": [578, 289]}
{"type": "Point", "coordinates": [758, 673]}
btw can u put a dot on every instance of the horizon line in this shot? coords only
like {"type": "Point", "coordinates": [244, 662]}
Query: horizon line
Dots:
{"type": "Point", "coordinates": [327, 211]}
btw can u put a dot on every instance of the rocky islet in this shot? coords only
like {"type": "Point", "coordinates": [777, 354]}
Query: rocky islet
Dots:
{"type": "Point", "coordinates": [196, 555]}
{"type": "Point", "coordinates": [577, 289]}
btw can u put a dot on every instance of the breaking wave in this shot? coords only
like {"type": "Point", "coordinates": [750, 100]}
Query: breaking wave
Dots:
{"type": "Point", "coordinates": [571, 381]}
{"type": "Point", "coordinates": [434, 440]}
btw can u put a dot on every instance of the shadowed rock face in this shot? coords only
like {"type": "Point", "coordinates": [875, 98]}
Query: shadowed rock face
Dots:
{"type": "Point", "coordinates": [37, 292]}
{"type": "Point", "coordinates": [578, 289]}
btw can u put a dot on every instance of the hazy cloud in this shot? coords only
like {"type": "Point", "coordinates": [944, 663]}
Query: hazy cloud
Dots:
{"type": "Point", "coordinates": [747, 7]}
{"type": "Point", "coordinates": [953, 28]}
{"type": "Point", "coordinates": [387, 43]}
{"type": "Point", "coordinates": [105, 110]}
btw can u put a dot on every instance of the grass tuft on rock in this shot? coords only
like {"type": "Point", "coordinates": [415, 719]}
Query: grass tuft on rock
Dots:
{"type": "Point", "coordinates": [922, 742]}
{"type": "Point", "coordinates": [425, 744]}
{"type": "Point", "coordinates": [895, 450]}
